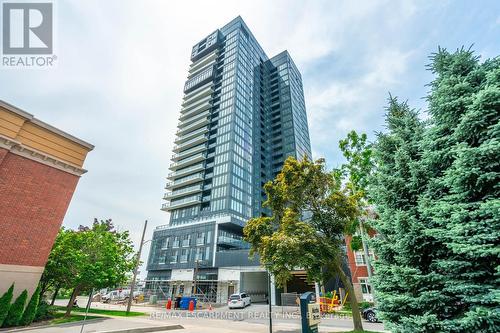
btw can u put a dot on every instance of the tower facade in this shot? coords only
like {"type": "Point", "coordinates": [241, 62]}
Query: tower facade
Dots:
{"type": "Point", "coordinates": [242, 115]}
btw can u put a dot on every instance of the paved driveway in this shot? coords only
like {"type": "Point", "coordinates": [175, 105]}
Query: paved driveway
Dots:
{"type": "Point", "coordinates": [254, 318]}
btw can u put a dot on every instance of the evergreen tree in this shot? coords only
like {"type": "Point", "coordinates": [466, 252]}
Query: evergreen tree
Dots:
{"type": "Point", "coordinates": [30, 311]}
{"type": "Point", "coordinates": [16, 310]}
{"type": "Point", "coordinates": [461, 154]}
{"type": "Point", "coordinates": [5, 303]}
{"type": "Point", "coordinates": [407, 286]}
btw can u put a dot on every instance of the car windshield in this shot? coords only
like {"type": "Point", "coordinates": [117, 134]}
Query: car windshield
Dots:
{"type": "Point", "coordinates": [234, 297]}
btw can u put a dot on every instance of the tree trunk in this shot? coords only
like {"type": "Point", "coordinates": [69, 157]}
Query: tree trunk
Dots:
{"type": "Point", "coordinates": [43, 288]}
{"type": "Point", "coordinates": [56, 291]}
{"type": "Point", "coordinates": [356, 314]}
{"type": "Point", "coordinates": [71, 301]}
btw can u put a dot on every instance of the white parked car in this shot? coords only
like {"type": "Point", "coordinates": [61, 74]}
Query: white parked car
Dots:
{"type": "Point", "coordinates": [117, 295]}
{"type": "Point", "coordinates": [240, 300]}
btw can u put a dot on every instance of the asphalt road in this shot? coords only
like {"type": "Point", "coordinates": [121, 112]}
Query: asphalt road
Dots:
{"type": "Point", "coordinates": [254, 319]}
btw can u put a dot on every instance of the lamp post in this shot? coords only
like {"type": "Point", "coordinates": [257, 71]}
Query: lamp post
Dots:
{"type": "Point", "coordinates": [138, 261]}
{"type": "Point", "coordinates": [270, 302]}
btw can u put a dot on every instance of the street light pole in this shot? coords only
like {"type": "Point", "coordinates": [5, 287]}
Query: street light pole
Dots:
{"type": "Point", "coordinates": [195, 276]}
{"type": "Point", "coordinates": [270, 302]}
{"type": "Point", "coordinates": [136, 269]}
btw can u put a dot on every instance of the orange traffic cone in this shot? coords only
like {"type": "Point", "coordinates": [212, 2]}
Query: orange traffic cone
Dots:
{"type": "Point", "coordinates": [210, 307]}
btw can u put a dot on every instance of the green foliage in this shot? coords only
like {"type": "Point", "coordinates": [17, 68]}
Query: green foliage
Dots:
{"type": "Point", "coordinates": [359, 155]}
{"type": "Point", "coordinates": [90, 257]}
{"type": "Point", "coordinates": [310, 215]}
{"type": "Point", "coordinates": [365, 305]}
{"type": "Point", "coordinates": [31, 309]}
{"type": "Point", "coordinates": [61, 265]}
{"type": "Point", "coordinates": [5, 303]}
{"type": "Point", "coordinates": [437, 195]}
{"type": "Point", "coordinates": [16, 310]}
{"type": "Point", "coordinates": [44, 311]}
{"type": "Point", "coordinates": [461, 154]}
{"type": "Point", "coordinates": [356, 243]}
{"type": "Point", "coordinates": [285, 241]}
{"type": "Point", "coordinates": [104, 256]}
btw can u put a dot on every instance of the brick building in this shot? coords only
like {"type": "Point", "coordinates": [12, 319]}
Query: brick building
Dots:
{"type": "Point", "coordinates": [359, 271]}
{"type": "Point", "coordinates": [39, 169]}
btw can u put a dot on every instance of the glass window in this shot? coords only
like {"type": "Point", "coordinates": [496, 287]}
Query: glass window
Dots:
{"type": "Point", "coordinates": [173, 257]}
{"type": "Point", "coordinates": [366, 288]}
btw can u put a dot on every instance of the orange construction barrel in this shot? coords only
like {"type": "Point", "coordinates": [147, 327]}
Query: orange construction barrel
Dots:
{"type": "Point", "coordinates": [191, 305]}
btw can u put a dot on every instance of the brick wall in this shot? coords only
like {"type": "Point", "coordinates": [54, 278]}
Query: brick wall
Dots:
{"type": "Point", "coordinates": [356, 271]}
{"type": "Point", "coordinates": [3, 153]}
{"type": "Point", "coordinates": [34, 198]}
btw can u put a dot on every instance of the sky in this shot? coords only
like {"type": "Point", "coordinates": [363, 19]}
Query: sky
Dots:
{"type": "Point", "coordinates": [122, 65]}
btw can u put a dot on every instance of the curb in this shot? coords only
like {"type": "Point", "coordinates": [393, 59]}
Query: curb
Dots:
{"type": "Point", "coordinates": [146, 329]}
{"type": "Point", "coordinates": [53, 325]}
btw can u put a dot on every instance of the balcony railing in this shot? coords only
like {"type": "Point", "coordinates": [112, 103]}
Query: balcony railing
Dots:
{"type": "Point", "coordinates": [186, 171]}
{"type": "Point", "coordinates": [185, 180]}
{"type": "Point", "coordinates": [188, 136]}
{"type": "Point", "coordinates": [185, 127]}
{"type": "Point", "coordinates": [184, 191]}
{"type": "Point", "coordinates": [190, 143]}
{"type": "Point", "coordinates": [192, 111]}
{"type": "Point", "coordinates": [189, 201]}
{"type": "Point", "coordinates": [187, 161]}
{"type": "Point", "coordinates": [198, 94]}
{"type": "Point", "coordinates": [188, 152]}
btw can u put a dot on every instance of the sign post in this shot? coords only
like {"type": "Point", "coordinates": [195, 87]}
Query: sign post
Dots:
{"type": "Point", "coordinates": [309, 312]}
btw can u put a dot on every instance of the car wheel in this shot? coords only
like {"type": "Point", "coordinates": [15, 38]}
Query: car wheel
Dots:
{"type": "Point", "coordinates": [370, 316]}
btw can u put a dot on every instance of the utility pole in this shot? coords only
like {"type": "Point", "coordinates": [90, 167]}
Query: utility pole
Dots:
{"type": "Point", "coordinates": [136, 269]}
{"type": "Point", "coordinates": [269, 301]}
{"type": "Point", "coordinates": [364, 241]}
{"type": "Point", "coordinates": [195, 276]}
{"type": "Point", "coordinates": [87, 309]}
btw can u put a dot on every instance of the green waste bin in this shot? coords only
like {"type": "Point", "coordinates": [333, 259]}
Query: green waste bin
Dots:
{"type": "Point", "coordinates": [153, 299]}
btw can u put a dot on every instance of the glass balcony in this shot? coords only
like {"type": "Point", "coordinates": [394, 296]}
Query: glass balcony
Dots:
{"type": "Point", "coordinates": [191, 112]}
{"type": "Point", "coordinates": [187, 161]}
{"type": "Point", "coordinates": [190, 143]}
{"type": "Point", "coordinates": [184, 191]}
{"type": "Point", "coordinates": [185, 181]}
{"type": "Point", "coordinates": [185, 127]}
{"type": "Point", "coordinates": [199, 93]}
{"type": "Point", "coordinates": [188, 152]}
{"type": "Point", "coordinates": [189, 201]}
{"type": "Point", "coordinates": [230, 242]}
{"type": "Point", "coordinates": [190, 135]}
{"type": "Point", "coordinates": [186, 171]}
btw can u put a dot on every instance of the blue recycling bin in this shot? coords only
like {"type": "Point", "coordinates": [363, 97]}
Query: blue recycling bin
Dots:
{"type": "Point", "coordinates": [184, 303]}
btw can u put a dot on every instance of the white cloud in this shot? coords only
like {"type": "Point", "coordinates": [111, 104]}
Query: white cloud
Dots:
{"type": "Point", "coordinates": [122, 65]}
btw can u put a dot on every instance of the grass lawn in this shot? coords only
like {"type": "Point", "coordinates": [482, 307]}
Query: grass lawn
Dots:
{"type": "Point", "coordinates": [343, 313]}
{"type": "Point", "coordinates": [60, 319]}
{"type": "Point", "coordinates": [119, 313]}
{"type": "Point", "coordinates": [356, 332]}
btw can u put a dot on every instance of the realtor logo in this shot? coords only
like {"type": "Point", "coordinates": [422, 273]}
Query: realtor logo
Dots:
{"type": "Point", "coordinates": [27, 28]}
{"type": "Point", "coordinates": [28, 34]}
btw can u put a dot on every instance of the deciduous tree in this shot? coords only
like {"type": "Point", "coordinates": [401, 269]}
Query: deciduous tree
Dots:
{"type": "Point", "coordinates": [310, 213]}
{"type": "Point", "coordinates": [105, 258]}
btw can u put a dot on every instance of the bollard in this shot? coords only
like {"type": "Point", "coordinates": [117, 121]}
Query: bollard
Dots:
{"type": "Point", "coordinates": [168, 305]}
{"type": "Point", "coordinates": [191, 305]}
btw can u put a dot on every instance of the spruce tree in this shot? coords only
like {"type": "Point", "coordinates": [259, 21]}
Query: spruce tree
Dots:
{"type": "Point", "coordinates": [5, 303]}
{"type": "Point", "coordinates": [407, 285]}
{"type": "Point", "coordinates": [16, 310]}
{"type": "Point", "coordinates": [30, 311]}
{"type": "Point", "coordinates": [462, 200]}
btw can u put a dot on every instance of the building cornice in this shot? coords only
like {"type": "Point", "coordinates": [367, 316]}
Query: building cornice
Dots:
{"type": "Point", "coordinates": [16, 147]}
{"type": "Point", "coordinates": [44, 125]}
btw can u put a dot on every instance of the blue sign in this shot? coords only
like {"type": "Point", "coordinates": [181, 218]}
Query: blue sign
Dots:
{"type": "Point", "coordinates": [310, 314]}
